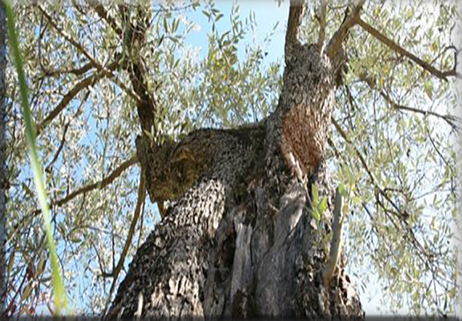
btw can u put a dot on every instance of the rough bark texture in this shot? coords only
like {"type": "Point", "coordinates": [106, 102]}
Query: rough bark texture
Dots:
{"type": "Point", "coordinates": [240, 239]}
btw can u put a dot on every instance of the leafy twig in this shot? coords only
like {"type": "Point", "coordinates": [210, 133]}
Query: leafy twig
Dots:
{"type": "Point", "coordinates": [395, 47]}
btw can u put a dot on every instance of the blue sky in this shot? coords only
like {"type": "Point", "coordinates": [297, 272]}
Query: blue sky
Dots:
{"type": "Point", "coordinates": [267, 14]}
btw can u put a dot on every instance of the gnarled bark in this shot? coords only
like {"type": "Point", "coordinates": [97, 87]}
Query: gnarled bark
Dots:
{"type": "Point", "coordinates": [240, 239]}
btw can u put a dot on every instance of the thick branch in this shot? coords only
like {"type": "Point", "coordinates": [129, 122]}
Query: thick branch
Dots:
{"type": "Point", "coordinates": [295, 19]}
{"type": "Point", "coordinates": [395, 47]}
{"type": "Point", "coordinates": [335, 43]}
{"type": "Point", "coordinates": [146, 106]}
{"type": "Point", "coordinates": [102, 13]}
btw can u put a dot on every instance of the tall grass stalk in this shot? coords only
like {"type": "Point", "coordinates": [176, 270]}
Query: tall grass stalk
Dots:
{"type": "Point", "coordinates": [58, 285]}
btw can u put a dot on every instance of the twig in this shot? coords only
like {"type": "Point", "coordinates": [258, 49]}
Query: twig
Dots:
{"type": "Point", "coordinates": [450, 119]}
{"type": "Point", "coordinates": [58, 151]}
{"type": "Point", "coordinates": [436, 148]}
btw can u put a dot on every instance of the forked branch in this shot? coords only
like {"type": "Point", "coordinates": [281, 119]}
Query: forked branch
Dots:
{"type": "Point", "coordinates": [85, 52]}
{"type": "Point", "coordinates": [335, 43]}
{"type": "Point", "coordinates": [85, 83]}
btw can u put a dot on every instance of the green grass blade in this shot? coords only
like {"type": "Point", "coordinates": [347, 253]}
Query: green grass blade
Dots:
{"type": "Point", "coordinates": [58, 284]}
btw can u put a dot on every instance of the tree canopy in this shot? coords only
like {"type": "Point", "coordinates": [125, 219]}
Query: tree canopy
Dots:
{"type": "Point", "coordinates": [392, 143]}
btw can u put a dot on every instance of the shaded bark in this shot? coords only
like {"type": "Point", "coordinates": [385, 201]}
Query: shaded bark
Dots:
{"type": "Point", "coordinates": [240, 239]}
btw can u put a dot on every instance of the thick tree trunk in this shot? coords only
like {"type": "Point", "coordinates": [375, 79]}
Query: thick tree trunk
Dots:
{"type": "Point", "coordinates": [240, 239]}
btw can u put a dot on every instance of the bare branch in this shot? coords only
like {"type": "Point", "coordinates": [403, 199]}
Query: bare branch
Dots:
{"type": "Point", "coordinates": [437, 149]}
{"type": "Point", "coordinates": [452, 120]}
{"type": "Point", "coordinates": [101, 184]}
{"type": "Point", "coordinates": [98, 185]}
{"type": "Point", "coordinates": [87, 82]}
{"type": "Point", "coordinates": [295, 19]}
{"type": "Point", "coordinates": [79, 71]}
{"type": "Point", "coordinates": [337, 39]}
{"type": "Point", "coordinates": [128, 242]}
{"type": "Point", "coordinates": [395, 47]}
{"type": "Point", "coordinates": [60, 148]}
